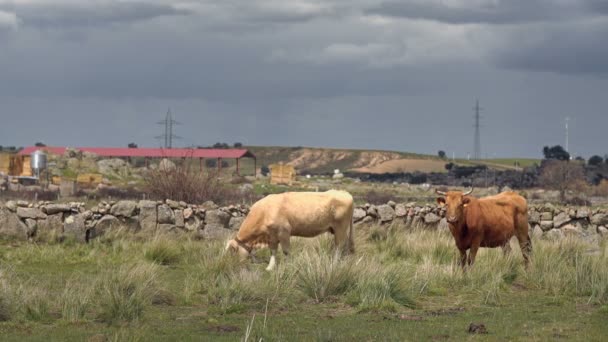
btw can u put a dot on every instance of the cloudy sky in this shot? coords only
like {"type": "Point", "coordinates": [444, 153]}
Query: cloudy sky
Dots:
{"type": "Point", "coordinates": [401, 75]}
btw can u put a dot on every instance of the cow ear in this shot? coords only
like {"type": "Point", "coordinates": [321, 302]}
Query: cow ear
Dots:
{"type": "Point", "coordinates": [466, 201]}
{"type": "Point", "coordinates": [441, 201]}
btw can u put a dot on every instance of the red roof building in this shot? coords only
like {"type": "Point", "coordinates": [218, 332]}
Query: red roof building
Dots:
{"type": "Point", "coordinates": [123, 152]}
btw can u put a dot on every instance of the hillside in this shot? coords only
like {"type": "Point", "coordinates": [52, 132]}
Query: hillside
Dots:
{"type": "Point", "coordinates": [325, 160]}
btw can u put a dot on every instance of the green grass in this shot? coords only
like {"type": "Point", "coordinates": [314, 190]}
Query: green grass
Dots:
{"type": "Point", "coordinates": [402, 284]}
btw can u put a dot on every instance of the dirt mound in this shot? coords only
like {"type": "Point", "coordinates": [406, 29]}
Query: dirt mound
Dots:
{"type": "Point", "coordinates": [405, 165]}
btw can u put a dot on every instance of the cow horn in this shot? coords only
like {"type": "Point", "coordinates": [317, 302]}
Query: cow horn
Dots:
{"type": "Point", "coordinates": [440, 192]}
{"type": "Point", "coordinates": [468, 192]}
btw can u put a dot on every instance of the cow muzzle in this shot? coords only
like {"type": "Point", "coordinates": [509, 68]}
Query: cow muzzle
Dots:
{"type": "Point", "coordinates": [452, 219]}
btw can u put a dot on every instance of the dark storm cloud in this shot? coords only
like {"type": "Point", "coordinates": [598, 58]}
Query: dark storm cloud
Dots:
{"type": "Point", "coordinates": [87, 13]}
{"type": "Point", "coordinates": [490, 12]}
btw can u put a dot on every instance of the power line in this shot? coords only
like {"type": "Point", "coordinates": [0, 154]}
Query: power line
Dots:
{"type": "Point", "coordinates": [477, 147]}
{"type": "Point", "coordinates": [168, 122]}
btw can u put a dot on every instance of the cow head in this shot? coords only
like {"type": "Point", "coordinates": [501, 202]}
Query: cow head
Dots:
{"type": "Point", "coordinates": [454, 201]}
{"type": "Point", "coordinates": [235, 246]}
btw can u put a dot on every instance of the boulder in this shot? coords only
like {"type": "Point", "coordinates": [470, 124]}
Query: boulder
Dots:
{"type": "Point", "coordinates": [400, 210]}
{"type": "Point", "coordinates": [11, 226]}
{"type": "Point", "coordinates": [104, 225]}
{"type": "Point", "coordinates": [537, 232]}
{"type": "Point", "coordinates": [236, 222]}
{"type": "Point", "coordinates": [217, 218]}
{"type": "Point", "coordinates": [392, 204]}
{"type": "Point", "coordinates": [372, 211]}
{"type": "Point", "coordinates": [600, 219]}
{"type": "Point", "coordinates": [573, 230]}
{"type": "Point", "coordinates": [11, 205]}
{"type": "Point", "coordinates": [582, 213]}
{"type": "Point", "coordinates": [188, 212]}
{"type": "Point", "coordinates": [443, 225]}
{"type": "Point", "coordinates": [31, 213]}
{"type": "Point", "coordinates": [431, 218]}
{"type": "Point", "coordinates": [359, 214]}
{"type": "Point", "coordinates": [209, 205]}
{"type": "Point", "coordinates": [386, 213]}
{"type": "Point", "coordinates": [561, 219]}
{"type": "Point", "coordinates": [546, 225]}
{"type": "Point", "coordinates": [179, 217]}
{"type": "Point", "coordinates": [603, 231]}
{"type": "Point", "coordinates": [124, 209]}
{"type": "Point", "coordinates": [111, 166]}
{"type": "Point", "coordinates": [546, 216]}
{"type": "Point", "coordinates": [165, 214]}
{"type": "Point", "coordinates": [51, 209]}
{"type": "Point", "coordinates": [147, 216]}
{"type": "Point", "coordinates": [167, 228]}
{"type": "Point", "coordinates": [51, 228]}
{"type": "Point", "coordinates": [193, 224]}
{"type": "Point", "coordinates": [533, 217]}
{"type": "Point", "coordinates": [74, 228]}
{"type": "Point", "coordinates": [172, 204]}
{"type": "Point", "coordinates": [214, 231]}
{"type": "Point", "coordinates": [166, 165]}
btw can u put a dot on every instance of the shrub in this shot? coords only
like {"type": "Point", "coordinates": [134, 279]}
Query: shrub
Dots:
{"type": "Point", "coordinates": [321, 276]}
{"type": "Point", "coordinates": [380, 288]}
{"type": "Point", "coordinates": [124, 294]}
{"type": "Point", "coordinates": [75, 300]}
{"type": "Point", "coordinates": [162, 250]}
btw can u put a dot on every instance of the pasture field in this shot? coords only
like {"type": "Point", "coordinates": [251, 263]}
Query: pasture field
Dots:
{"type": "Point", "coordinates": [402, 284]}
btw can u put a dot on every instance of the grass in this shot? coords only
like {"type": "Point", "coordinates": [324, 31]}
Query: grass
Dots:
{"type": "Point", "coordinates": [402, 284]}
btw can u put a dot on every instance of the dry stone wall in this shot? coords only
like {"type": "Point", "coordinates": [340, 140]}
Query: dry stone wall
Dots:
{"type": "Point", "coordinates": [45, 220]}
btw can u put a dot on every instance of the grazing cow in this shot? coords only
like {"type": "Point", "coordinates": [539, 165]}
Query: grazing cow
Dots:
{"type": "Point", "coordinates": [486, 222]}
{"type": "Point", "coordinates": [275, 218]}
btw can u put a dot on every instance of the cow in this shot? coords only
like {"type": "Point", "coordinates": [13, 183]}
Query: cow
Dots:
{"type": "Point", "coordinates": [486, 222]}
{"type": "Point", "coordinates": [275, 218]}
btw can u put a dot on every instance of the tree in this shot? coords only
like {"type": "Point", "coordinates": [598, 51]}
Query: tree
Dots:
{"type": "Point", "coordinates": [595, 161]}
{"type": "Point", "coordinates": [238, 145]}
{"type": "Point", "coordinates": [580, 159]}
{"type": "Point", "coordinates": [449, 166]}
{"type": "Point", "coordinates": [441, 154]}
{"type": "Point", "coordinates": [562, 175]}
{"type": "Point", "coordinates": [39, 144]}
{"type": "Point", "coordinates": [132, 145]}
{"type": "Point", "coordinates": [556, 152]}
{"type": "Point", "coordinates": [265, 170]}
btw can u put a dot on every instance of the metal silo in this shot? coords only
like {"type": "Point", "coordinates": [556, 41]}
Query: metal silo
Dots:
{"type": "Point", "coordinates": [38, 162]}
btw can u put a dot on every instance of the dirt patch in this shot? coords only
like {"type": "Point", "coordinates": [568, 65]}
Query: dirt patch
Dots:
{"type": "Point", "coordinates": [405, 165]}
{"type": "Point", "coordinates": [223, 329]}
{"type": "Point", "coordinates": [475, 328]}
{"type": "Point", "coordinates": [410, 318]}
{"type": "Point", "coordinates": [446, 312]}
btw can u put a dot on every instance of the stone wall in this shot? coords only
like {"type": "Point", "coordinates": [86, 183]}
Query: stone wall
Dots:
{"type": "Point", "coordinates": [44, 220]}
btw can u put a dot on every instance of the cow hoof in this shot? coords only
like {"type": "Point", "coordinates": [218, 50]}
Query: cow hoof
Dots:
{"type": "Point", "coordinates": [269, 269]}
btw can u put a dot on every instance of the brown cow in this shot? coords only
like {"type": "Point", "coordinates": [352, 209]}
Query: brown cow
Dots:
{"type": "Point", "coordinates": [486, 222]}
{"type": "Point", "coordinates": [275, 218]}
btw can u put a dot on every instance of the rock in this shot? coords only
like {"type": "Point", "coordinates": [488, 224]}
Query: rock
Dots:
{"type": "Point", "coordinates": [165, 214]}
{"type": "Point", "coordinates": [359, 214]}
{"type": "Point", "coordinates": [561, 219]}
{"type": "Point", "coordinates": [179, 218]}
{"type": "Point", "coordinates": [147, 216]}
{"type": "Point", "coordinates": [582, 213]}
{"type": "Point", "coordinates": [372, 211]}
{"type": "Point", "coordinates": [537, 232]}
{"type": "Point", "coordinates": [599, 219]}
{"type": "Point", "coordinates": [546, 225]}
{"type": "Point", "coordinates": [166, 165]}
{"type": "Point", "coordinates": [106, 224]}
{"type": "Point", "coordinates": [167, 228]}
{"type": "Point", "coordinates": [386, 213]}
{"type": "Point", "coordinates": [246, 188]}
{"type": "Point", "coordinates": [217, 218]}
{"type": "Point", "coordinates": [50, 229]}
{"type": "Point", "coordinates": [392, 204]}
{"type": "Point", "coordinates": [23, 204]}
{"type": "Point", "coordinates": [51, 209]}
{"type": "Point", "coordinates": [11, 205]}
{"type": "Point", "coordinates": [209, 205]}
{"type": "Point", "coordinates": [443, 225]}
{"type": "Point", "coordinates": [235, 223]}
{"type": "Point", "coordinates": [74, 228]}
{"type": "Point", "coordinates": [11, 226]}
{"type": "Point", "coordinates": [572, 230]}
{"type": "Point", "coordinates": [124, 209]}
{"type": "Point", "coordinates": [214, 231]}
{"type": "Point", "coordinates": [172, 204]}
{"type": "Point", "coordinates": [400, 210]}
{"type": "Point", "coordinates": [32, 225]}
{"type": "Point", "coordinates": [111, 166]}
{"type": "Point", "coordinates": [431, 218]}
{"type": "Point", "coordinates": [188, 212]}
{"type": "Point", "coordinates": [31, 213]}
{"type": "Point", "coordinates": [603, 231]}
{"type": "Point", "coordinates": [193, 224]}
{"type": "Point", "coordinates": [546, 216]}
{"type": "Point", "coordinates": [554, 234]}
{"type": "Point", "coordinates": [533, 217]}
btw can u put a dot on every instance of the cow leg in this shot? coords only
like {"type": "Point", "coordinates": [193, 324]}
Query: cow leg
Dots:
{"type": "Point", "coordinates": [473, 253]}
{"type": "Point", "coordinates": [285, 245]}
{"type": "Point", "coordinates": [525, 244]}
{"type": "Point", "coordinates": [463, 257]}
{"type": "Point", "coordinates": [340, 239]}
{"type": "Point", "coordinates": [273, 255]}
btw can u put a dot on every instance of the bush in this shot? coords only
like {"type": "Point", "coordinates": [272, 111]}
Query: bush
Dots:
{"type": "Point", "coordinates": [183, 184]}
{"type": "Point", "coordinates": [162, 251]}
{"type": "Point", "coordinates": [125, 293]}
{"type": "Point", "coordinates": [75, 300]}
{"type": "Point", "coordinates": [321, 276]}
{"type": "Point", "coordinates": [595, 161]}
